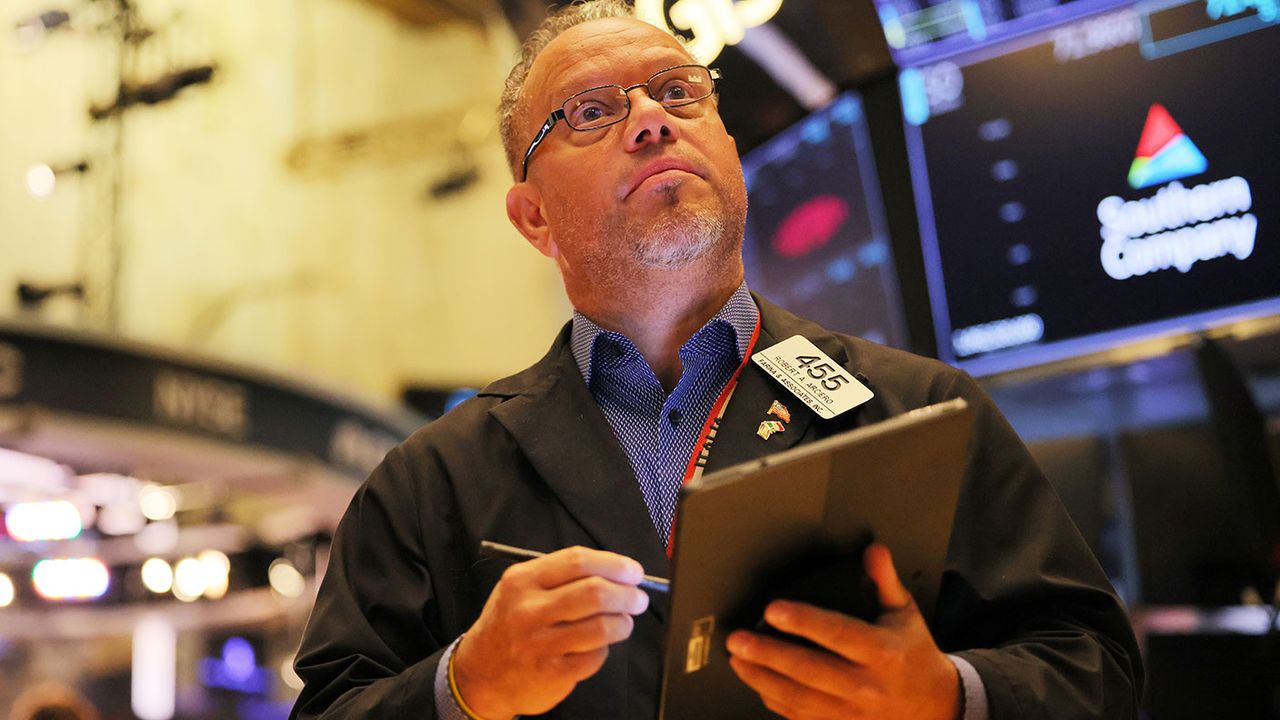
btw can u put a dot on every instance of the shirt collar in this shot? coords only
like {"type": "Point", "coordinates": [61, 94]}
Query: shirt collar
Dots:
{"type": "Point", "coordinates": [740, 313]}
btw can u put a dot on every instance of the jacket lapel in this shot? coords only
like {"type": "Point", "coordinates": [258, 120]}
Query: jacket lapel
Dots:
{"type": "Point", "coordinates": [570, 444]}
{"type": "Point", "coordinates": [737, 440]}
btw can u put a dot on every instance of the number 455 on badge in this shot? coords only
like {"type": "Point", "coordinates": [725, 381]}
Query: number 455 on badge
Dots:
{"type": "Point", "coordinates": [810, 375]}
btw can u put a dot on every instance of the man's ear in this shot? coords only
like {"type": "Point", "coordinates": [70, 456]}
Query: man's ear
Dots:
{"type": "Point", "coordinates": [524, 210]}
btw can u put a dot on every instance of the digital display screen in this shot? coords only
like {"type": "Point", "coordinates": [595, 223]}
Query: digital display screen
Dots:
{"type": "Point", "coordinates": [816, 240]}
{"type": "Point", "coordinates": [1098, 182]}
{"type": "Point", "coordinates": [921, 31]}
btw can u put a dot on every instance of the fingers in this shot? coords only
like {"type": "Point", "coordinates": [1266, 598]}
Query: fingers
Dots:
{"type": "Point", "coordinates": [819, 670]}
{"type": "Point", "coordinates": [546, 626]}
{"type": "Point", "coordinates": [892, 668]}
{"type": "Point", "coordinates": [580, 666]}
{"type": "Point", "coordinates": [591, 634]}
{"type": "Point", "coordinates": [786, 697]}
{"type": "Point", "coordinates": [857, 641]}
{"type": "Point", "coordinates": [850, 638]}
{"type": "Point", "coordinates": [575, 563]}
{"type": "Point", "coordinates": [879, 565]}
{"type": "Point", "coordinates": [577, 583]}
{"type": "Point", "coordinates": [591, 596]}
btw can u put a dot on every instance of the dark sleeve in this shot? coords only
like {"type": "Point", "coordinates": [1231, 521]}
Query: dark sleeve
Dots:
{"type": "Point", "coordinates": [370, 649]}
{"type": "Point", "coordinates": [1023, 599]}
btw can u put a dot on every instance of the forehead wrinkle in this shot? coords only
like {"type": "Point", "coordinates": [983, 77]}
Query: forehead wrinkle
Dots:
{"type": "Point", "coordinates": [548, 87]}
{"type": "Point", "coordinates": [596, 70]}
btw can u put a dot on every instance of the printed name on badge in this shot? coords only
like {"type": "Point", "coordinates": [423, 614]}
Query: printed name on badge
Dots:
{"type": "Point", "coordinates": [810, 375]}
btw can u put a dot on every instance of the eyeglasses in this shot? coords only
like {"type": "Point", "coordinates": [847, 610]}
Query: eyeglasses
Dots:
{"type": "Point", "coordinates": [677, 89]}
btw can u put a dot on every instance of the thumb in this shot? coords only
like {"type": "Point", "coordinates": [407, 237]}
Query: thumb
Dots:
{"type": "Point", "coordinates": [879, 565]}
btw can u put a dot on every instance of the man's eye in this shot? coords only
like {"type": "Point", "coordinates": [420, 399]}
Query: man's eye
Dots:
{"type": "Point", "coordinates": [674, 92]}
{"type": "Point", "coordinates": [590, 112]}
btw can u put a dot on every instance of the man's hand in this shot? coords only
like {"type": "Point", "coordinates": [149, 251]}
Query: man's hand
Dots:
{"type": "Point", "coordinates": [546, 627]}
{"type": "Point", "coordinates": [891, 669]}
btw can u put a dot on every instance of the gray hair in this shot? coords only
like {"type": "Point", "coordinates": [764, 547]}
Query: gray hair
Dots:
{"type": "Point", "coordinates": [510, 105]}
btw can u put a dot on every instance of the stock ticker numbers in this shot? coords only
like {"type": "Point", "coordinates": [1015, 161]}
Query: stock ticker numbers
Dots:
{"type": "Point", "coordinates": [1096, 35]}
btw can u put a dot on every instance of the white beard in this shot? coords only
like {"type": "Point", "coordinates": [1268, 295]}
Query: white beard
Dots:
{"type": "Point", "coordinates": [674, 242]}
{"type": "Point", "coordinates": [612, 250]}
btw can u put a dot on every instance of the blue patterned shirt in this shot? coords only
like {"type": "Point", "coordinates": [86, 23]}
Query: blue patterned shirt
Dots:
{"type": "Point", "coordinates": [659, 431]}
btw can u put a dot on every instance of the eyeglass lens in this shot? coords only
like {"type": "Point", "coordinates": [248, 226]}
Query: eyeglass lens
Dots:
{"type": "Point", "coordinates": [674, 88]}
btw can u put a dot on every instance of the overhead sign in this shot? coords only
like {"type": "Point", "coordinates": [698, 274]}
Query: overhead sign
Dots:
{"type": "Point", "coordinates": [97, 377]}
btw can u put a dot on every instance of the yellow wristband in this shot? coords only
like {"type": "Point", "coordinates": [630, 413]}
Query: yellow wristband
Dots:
{"type": "Point", "coordinates": [453, 687]}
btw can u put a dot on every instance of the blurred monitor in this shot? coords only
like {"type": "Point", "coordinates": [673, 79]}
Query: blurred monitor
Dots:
{"type": "Point", "coordinates": [1102, 181]}
{"type": "Point", "coordinates": [921, 31]}
{"type": "Point", "coordinates": [1077, 468]}
{"type": "Point", "coordinates": [1191, 548]}
{"type": "Point", "coordinates": [1242, 433]}
{"type": "Point", "coordinates": [1210, 674]}
{"type": "Point", "coordinates": [816, 240]}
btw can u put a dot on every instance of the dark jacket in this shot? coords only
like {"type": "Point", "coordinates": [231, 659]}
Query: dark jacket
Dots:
{"type": "Point", "coordinates": [531, 461]}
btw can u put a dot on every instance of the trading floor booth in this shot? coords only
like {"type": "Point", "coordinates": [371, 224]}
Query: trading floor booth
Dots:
{"type": "Point", "coordinates": [166, 519]}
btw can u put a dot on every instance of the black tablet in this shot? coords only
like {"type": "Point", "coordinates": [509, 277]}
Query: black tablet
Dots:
{"type": "Point", "coordinates": [795, 523]}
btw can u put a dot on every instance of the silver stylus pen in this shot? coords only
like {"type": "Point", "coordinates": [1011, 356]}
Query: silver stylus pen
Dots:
{"type": "Point", "coordinates": [507, 552]}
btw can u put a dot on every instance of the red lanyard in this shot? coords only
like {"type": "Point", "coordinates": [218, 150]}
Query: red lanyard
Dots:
{"type": "Point", "coordinates": [702, 450]}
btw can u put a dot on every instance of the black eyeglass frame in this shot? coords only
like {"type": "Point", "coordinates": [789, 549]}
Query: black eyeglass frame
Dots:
{"type": "Point", "coordinates": [558, 114]}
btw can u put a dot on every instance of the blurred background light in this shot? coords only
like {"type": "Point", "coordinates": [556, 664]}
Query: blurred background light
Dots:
{"type": "Point", "coordinates": [41, 181]}
{"type": "Point", "coordinates": [238, 659]}
{"type": "Point", "coordinates": [42, 178]}
{"type": "Point", "coordinates": [37, 521]}
{"type": "Point", "coordinates": [121, 518]}
{"type": "Point", "coordinates": [217, 573]}
{"type": "Point", "coordinates": [154, 678]}
{"type": "Point", "coordinates": [285, 579]}
{"type": "Point", "coordinates": [289, 675]}
{"type": "Point", "coordinates": [235, 669]}
{"type": "Point", "coordinates": [20, 469]}
{"type": "Point", "coordinates": [158, 503]}
{"type": "Point", "coordinates": [158, 538]}
{"type": "Point", "coordinates": [157, 575]}
{"type": "Point", "coordinates": [117, 497]}
{"type": "Point", "coordinates": [6, 591]}
{"type": "Point", "coordinates": [71, 578]}
{"type": "Point", "coordinates": [188, 580]}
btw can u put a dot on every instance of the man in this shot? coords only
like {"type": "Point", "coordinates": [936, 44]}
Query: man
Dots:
{"type": "Point", "coordinates": [627, 180]}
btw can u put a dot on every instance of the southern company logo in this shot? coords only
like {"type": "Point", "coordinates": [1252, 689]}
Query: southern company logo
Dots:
{"type": "Point", "coordinates": [1178, 226]}
{"type": "Point", "coordinates": [1164, 153]}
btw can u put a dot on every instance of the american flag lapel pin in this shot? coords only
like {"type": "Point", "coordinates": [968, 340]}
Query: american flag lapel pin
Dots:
{"type": "Point", "coordinates": [768, 428]}
{"type": "Point", "coordinates": [781, 411]}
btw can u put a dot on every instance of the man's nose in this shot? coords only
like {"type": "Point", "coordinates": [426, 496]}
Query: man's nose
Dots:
{"type": "Point", "coordinates": [649, 122]}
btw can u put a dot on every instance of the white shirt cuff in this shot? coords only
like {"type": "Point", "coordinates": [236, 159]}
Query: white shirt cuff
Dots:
{"type": "Point", "coordinates": [975, 693]}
